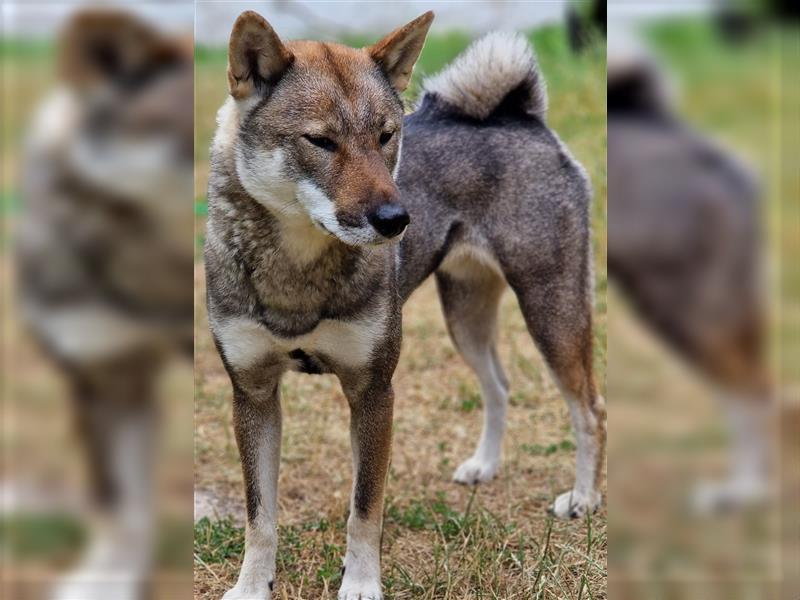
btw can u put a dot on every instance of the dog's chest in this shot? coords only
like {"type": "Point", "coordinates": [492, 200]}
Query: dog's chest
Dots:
{"type": "Point", "coordinates": [331, 344]}
{"type": "Point", "coordinates": [296, 297]}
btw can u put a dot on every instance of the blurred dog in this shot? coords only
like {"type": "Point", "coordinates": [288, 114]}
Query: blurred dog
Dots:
{"type": "Point", "coordinates": [105, 263]}
{"type": "Point", "coordinates": [317, 233]}
{"type": "Point", "coordinates": [683, 244]}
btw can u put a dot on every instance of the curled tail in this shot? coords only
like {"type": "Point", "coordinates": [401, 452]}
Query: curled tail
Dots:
{"type": "Point", "coordinates": [636, 85]}
{"type": "Point", "coordinates": [497, 71]}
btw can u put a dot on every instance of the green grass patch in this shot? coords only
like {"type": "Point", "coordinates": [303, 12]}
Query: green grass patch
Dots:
{"type": "Point", "coordinates": [23, 50]}
{"type": "Point", "coordinates": [436, 514]}
{"type": "Point", "coordinates": [53, 537]}
{"type": "Point", "coordinates": [469, 398]}
{"type": "Point", "coordinates": [549, 449]}
{"type": "Point", "coordinates": [217, 541]}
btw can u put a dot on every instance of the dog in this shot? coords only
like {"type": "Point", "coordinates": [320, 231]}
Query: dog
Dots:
{"type": "Point", "coordinates": [684, 247]}
{"type": "Point", "coordinates": [317, 233]}
{"type": "Point", "coordinates": [104, 259]}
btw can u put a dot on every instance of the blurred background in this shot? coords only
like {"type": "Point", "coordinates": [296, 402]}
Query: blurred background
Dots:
{"type": "Point", "coordinates": [94, 236]}
{"type": "Point", "coordinates": [702, 320]}
{"type": "Point", "coordinates": [96, 254]}
{"type": "Point", "coordinates": [440, 540]}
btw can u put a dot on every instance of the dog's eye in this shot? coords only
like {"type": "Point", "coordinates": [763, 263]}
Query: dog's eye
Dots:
{"type": "Point", "coordinates": [321, 142]}
{"type": "Point", "coordinates": [385, 137]}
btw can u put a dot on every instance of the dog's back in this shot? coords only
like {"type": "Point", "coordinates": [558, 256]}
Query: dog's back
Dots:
{"type": "Point", "coordinates": [683, 242]}
{"type": "Point", "coordinates": [481, 169]}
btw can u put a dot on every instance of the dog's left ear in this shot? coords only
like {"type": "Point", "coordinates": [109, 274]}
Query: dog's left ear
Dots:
{"type": "Point", "coordinates": [398, 51]}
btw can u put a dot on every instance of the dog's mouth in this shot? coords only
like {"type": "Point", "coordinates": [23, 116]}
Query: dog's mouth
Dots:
{"type": "Point", "coordinates": [321, 226]}
{"type": "Point", "coordinates": [392, 240]}
{"type": "Point", "coordinates": [358, 236]}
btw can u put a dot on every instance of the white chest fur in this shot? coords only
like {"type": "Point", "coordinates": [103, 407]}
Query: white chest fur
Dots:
{"type": "Point", "coordinates": [350, 343]}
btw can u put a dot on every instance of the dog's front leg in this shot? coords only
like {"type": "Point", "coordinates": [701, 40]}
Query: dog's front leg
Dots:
{"type": "Point", "coordinates": [371, 438]}
{"type": "Point", "coordinates": [257, 424]}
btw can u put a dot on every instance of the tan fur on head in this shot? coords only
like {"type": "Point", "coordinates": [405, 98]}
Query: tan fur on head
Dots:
{"type": "Point", "coordinates": [101, 45]}
{"type": "Point", "coordinates": [398, 52]}
{"type": "Point", "coordinates": [256, 55]}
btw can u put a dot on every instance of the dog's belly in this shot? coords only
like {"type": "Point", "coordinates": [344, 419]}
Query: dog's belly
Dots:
{"type": "Point", "coordinates": [331, 343]}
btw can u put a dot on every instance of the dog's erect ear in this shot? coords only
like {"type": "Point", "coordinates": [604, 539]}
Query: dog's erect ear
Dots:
{"type": "Point", "coordinates": [398, 51]}
{"type": "Point", "coordinates": [256, 56]}
{"type": "Point", "coordinates": [108, 47]}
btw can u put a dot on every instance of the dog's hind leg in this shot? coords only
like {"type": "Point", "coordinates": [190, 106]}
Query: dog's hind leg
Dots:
{"type": "Point", "coordinates": [556, 304]}
{"type": "Point", "coordinates": [750, 419]}
{"type": "Point", "coordinates": [737, 364]}
{"type": "Point", "coordinates": [257, 425]}
{"type": "Point", "coordinates": [470, 295]}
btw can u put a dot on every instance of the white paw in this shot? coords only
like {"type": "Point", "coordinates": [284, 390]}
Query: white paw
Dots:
{"type": "Point", "coordinates": [238, 593]}
{"type": "Point", "coordinates": [363, 590]}
{"type": "Point", "coordinates": [476, 470]}
{"type": "Point", "coordinates": [574, 505]}
{"type": "Point", "coordinates": [720, 496]}
{"type": "Point", "coordinates": [83, 586]}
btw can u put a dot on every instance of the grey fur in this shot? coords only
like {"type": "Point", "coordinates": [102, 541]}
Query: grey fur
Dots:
{"type": "Point", "coordinates": [684, 243]}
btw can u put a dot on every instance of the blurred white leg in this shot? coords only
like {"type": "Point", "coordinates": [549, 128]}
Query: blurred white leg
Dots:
{"type": "Point", "coordinates": [749, 421]}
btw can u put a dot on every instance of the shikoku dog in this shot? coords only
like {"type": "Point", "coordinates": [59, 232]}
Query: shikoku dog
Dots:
{"type": "Point", "coordinates": [317, 234]}
{"type": "Point", "coordinates": [105, 265]}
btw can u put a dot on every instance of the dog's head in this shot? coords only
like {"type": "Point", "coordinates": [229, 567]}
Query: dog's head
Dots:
{"type": "Point", "coordinates": [132, 87]}
{"type": "Point", "coordinates": [320, 124]}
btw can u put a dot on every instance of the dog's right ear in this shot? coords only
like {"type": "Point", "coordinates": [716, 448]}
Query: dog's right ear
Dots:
{"type": "Point", "coordinates": [256, 56]}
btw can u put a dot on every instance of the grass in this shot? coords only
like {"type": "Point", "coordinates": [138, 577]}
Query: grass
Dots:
{"type": "Point", "coordinates": [440, 540]}
{"type": "Point", "coordinates": [51, 538]}
{"type": "Point", "coordinates": [469, 553]}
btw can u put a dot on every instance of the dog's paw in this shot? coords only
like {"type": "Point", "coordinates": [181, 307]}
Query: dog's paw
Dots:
{"type": "Point", "coordinates": [714, 497]}
{"type": "Point", "coordinates": [363, 590]}
{"type": "Point", "coordinates": [572, 505]}
{"type": "Point", "coordinates": [99, 583]}
{"type": "Point", "coordinates": [75, 588]}
{"type": "Point", "coordinates": [242, 593]}
{"type": "Point", "coordinates": [476, 470]}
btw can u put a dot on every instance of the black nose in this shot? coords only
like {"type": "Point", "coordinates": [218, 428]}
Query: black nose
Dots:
{"type": "Point", "coordinates": [389, 219]}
